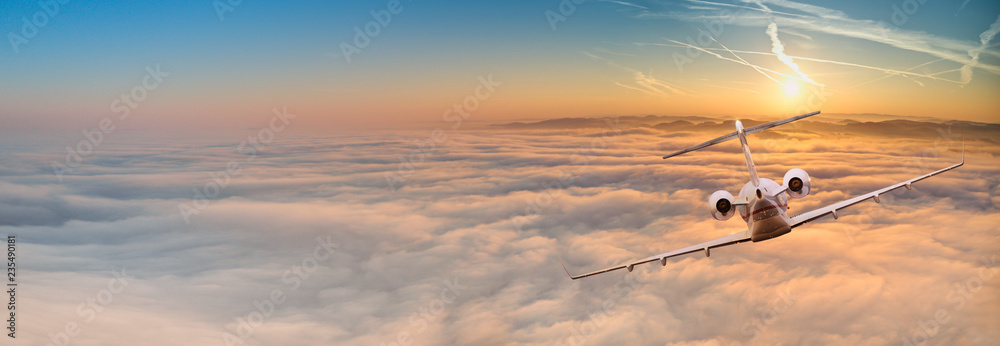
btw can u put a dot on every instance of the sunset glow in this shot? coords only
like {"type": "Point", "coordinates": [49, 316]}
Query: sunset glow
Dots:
{"type": "Point", "coordinates": [791, 88]}
{"type": "Point", "coordinates": [397, 172]}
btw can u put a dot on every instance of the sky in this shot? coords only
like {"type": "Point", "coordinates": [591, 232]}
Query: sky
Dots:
{"type": "Point", "coordinates": [227, 65]}
{"type": "Point", "coordinates": [261, 173]}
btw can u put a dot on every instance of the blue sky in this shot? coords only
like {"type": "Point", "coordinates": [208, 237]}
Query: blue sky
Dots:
{"type": "Point", "coordinates": [271, 53]}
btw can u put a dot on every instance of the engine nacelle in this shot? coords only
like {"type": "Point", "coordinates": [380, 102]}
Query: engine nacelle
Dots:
{"type": "Point", "coordinates": [796, 182]}
{"type": "Point", "coordinates": [722, 206]}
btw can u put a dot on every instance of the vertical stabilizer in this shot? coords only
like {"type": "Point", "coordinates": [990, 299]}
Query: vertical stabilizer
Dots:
{"type": "Point", "coordinates": [746, 152]}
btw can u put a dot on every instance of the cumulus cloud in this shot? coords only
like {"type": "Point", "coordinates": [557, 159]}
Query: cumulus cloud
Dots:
{"type": "Point", "coordinates": [465, 250]}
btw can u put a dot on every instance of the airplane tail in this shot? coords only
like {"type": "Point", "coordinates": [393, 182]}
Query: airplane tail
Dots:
{"type": "Point", "coordinates": [746, 131]}
{"type": "Point", "coordinates": [746, 152]}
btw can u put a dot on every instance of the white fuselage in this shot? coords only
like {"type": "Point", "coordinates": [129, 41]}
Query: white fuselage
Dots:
{"type": "Point", "coordinates": [759, 203]}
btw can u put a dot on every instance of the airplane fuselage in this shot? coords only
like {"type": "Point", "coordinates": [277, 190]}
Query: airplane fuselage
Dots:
{"type": "Point", "coordinates": [760, 203]}
{"type": "Point", "coordinates": [766, 216]}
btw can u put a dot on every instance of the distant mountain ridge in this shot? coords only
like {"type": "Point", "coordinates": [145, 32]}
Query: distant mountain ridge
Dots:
{"type": "Point", "coordinates": [890, 127]}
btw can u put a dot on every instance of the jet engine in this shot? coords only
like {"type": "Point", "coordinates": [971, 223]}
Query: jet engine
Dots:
{"type": "Point", "coordinates": [796, 183]}
{"type": "Point", "coordinates": [722, 206]}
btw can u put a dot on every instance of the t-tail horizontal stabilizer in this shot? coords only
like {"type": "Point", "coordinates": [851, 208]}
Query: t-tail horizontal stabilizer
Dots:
{"type": "Point", "coordinates": [748, 130]}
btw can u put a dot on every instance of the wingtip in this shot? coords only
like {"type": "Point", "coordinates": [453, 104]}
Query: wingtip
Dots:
{"type": "Point", "coordinates": [564, 268]}
{"type": "Point", "coordinates": [963, 150]}
{"type": "Point", "coordinates": [676, 153]}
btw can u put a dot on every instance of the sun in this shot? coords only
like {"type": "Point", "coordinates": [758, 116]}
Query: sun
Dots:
{"type": "Point", "coordinates": [791, 88]}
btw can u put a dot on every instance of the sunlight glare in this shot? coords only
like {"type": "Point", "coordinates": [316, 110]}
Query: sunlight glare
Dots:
{"type": "Point", "coordinates": [791, 88]}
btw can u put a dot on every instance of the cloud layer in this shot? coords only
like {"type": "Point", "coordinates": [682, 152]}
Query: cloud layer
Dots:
{"type": "Point", "coordinates": [464, 248]}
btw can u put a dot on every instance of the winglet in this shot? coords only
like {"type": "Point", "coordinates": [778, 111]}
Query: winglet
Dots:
{"type": "Point", "coordinates": [564, 268]}
{"type": "Point", "coordinates": [963, 151]}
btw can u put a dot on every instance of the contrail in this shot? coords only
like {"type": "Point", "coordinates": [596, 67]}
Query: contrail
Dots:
{"type": "Point", "coordinates": [626, 4]}
{"type": "Point", "coordinates": [960, 8]}
{"type": "Point", "coordinates": [820, 19]}
{"type": "Point", "coordinates": [880, 69]}
{"type": "Point", "coordinates": [909, 69]}
{"type": "Point", "coordinates": [659, 93]}
{"type": "Point", "coordinates": [770, 11]}
{"type": "Point", "coordinates": [776, 46]}
{"type": "Point", "coordinates": [649, 82]}
{"type": "Point", "coordinates": [652, 83]}
{"type": "Point", "coordinates": [765, 8]}
{"type": "Point", "coordinates": [740, 61]}
{"type": "Point", "coordinates": [914, 80]}
{"type": "Point", "coordinates": [984, 40]}
{"type": "Point", "coordinates": [755, 67]}
{"type": "Point", "coordinates": [732, 88]}
{"type": "Point", "coordinates": [779, 51]}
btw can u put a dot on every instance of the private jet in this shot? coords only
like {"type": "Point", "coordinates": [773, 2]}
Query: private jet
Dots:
{"type": "Point", "coordinates": [762, 202]}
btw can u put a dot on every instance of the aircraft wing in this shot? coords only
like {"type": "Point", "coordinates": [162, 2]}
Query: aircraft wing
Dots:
{"type": "Point", "coordinates": [731, 239]}
{"type": "Point", "coordinates": [744, 236]}
{"type": "Point", "coordinates": [832, 209]}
